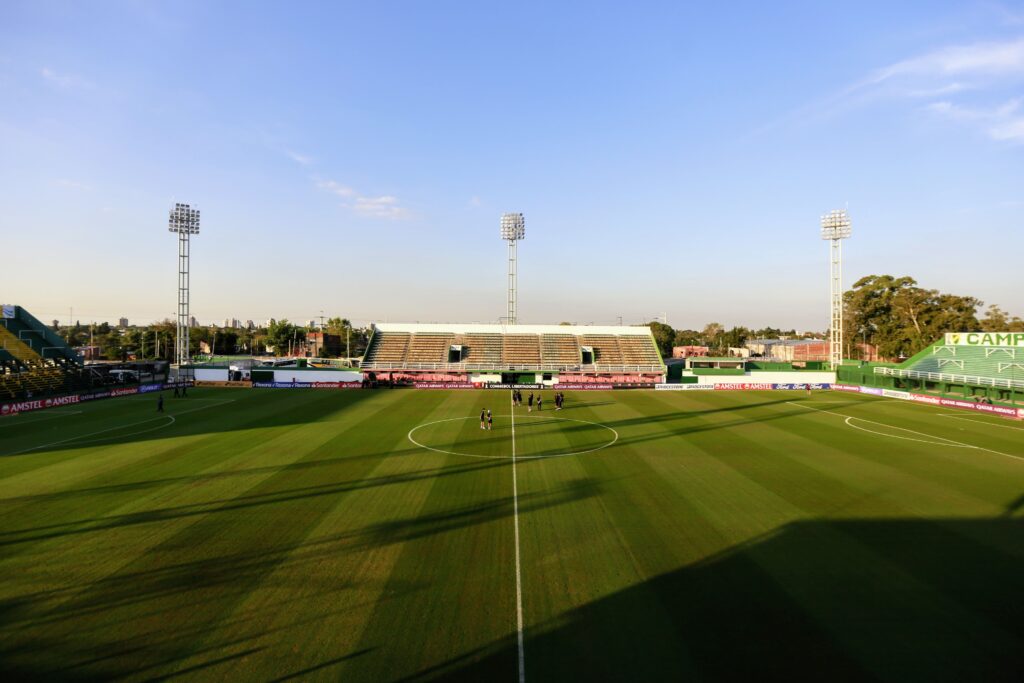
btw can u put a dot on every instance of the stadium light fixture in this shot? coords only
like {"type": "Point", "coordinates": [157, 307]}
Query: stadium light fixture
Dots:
{"type": "Point", "coordinates": [184, 220]}
{"type": "Point", "coordinates": [513, 229]}
{"type": "Point", "coordinates": [835, 227]}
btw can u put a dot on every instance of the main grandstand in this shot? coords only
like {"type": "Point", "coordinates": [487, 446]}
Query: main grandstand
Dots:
{"type": "Point", "coordinates": [35, 360]}
{"type": "Point", "coordinates": [491, 354]}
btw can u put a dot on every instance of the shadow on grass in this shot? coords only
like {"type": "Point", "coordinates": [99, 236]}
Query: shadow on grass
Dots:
{"type": "Point", "coordinates": [100, 423]}
{"type": "Point", "coordinates": [233, 504]}
{"type": "Point", "coordinates": [901, 600]}
{"type": "Point", "coordinates": [168, 613]}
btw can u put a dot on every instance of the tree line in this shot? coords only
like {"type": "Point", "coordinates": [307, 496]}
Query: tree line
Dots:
{"type": "Point", "coordinates": [893, 313]}
{"type": "Point", "coordinates": [156, 341]}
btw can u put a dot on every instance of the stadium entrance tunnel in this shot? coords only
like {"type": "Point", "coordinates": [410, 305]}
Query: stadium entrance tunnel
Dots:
{"type": "Point", "coordinates": [534, 435]}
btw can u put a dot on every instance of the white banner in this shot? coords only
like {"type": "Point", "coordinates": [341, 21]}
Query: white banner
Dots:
{"type": "Point", "coordinates": [985, 339]}
{"type": "Point", "coordinates": [8, 311]}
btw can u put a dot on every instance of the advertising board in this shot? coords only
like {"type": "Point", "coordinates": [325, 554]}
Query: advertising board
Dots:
{"type": "Point", "coordinates": [37, 404]}
{"type": "Point", "coordinates": [683, 387]}
{"type": "Point", "coordinates": [444, 385]}
{"type": "Point", "coordinates": [744, 386]}
{"type": "Point", "coordinates": [893, 393]}
{"type": "Point", "coordinates": [985, 339]}
{"type": "Point", "coordinates": [307, 385]}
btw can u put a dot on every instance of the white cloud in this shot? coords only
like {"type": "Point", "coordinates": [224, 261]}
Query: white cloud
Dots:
{"type": "Point", "coordinates": [1004, 123]}
{"type": "Point", "coordinates": [962, 79]}
{"type": "Point", "coordinates": [335, 188]}
{"type": "Point", "coordinates": [63, 80]}
{"type": "Point", "coordinates": [380, 207]}
{"type": "Point", "coordinates": [978, 60]}
{"type": "Point", "coordinates": [948, 89]}
{"type": "Point", "coordinates": [299, 158]}
{"type": "Point", "coordinates": [383, 206]}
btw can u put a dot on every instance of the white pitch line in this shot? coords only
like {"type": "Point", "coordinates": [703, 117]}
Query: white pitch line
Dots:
{"type": "Point", "coordinates": [45, 416]}
{"type": "Point", "coordinates": [521, 457]}
{"type": "Point", "coordinates": [111, 429]}
{"type": "Point", "coordinates": [981, 422]}
{"type": "Point", "coordinates": [948, 442]}
{"type": "Point", "coordinates": [519, 575]}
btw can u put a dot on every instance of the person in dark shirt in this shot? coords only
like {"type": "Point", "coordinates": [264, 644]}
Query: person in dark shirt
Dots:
{"type": "Point", "coordinates": [483, 419]}
{"type": "Point", "coordinates": [160, 403]}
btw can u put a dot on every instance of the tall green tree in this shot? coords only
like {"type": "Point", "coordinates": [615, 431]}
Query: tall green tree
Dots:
{"type": "Point", "coordinates": [902, 318]}
{"type": "Point", "coordinates": [663, 337]}
{"type": "Point", "coordinates": [282, 335]}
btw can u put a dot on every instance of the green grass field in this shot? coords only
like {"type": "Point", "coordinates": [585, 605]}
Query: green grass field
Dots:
{"type": "Point", "coordinates": [290, 534]}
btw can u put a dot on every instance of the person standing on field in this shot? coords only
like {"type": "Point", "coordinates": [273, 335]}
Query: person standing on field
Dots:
{"type": "Point", "coordinates": [483, 419]}
{"type": "Point", "coordinates": [490, 420]}
{"type": "Point", "coordinates": [160, 403]}
{"type": "Point", "coordinates": [540, 403]}
{"type": "Point", "coordinates": [529, 403]}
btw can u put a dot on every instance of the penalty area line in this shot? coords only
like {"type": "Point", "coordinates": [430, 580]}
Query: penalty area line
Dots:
{"type": "Point", "coordinates": [942, 441]}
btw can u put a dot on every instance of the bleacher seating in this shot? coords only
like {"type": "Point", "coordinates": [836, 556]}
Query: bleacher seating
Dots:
{"type": "Point", "coordinates": [521, 350]}
{"type": "Point", "coordinates": [560, 349]}
{"type": "Point", "coordinates": [639, 351]}
{"type": "Point", "coordinates": [993, 362]}
{"type": "Point", "coordinates": [482, 348]}
{"type": "Point", "coordinates": [34, 360]}
{"type": "Point", "coordinates": [15, 348]}
{"type": "Point", "coordinates": [488, 349]}
{"type": "Point", "coordinates": [388, 348]}
{"type": "Point", "coordinates": [429, 348]}
{"type": "Point", "coordinates": [606, 348]}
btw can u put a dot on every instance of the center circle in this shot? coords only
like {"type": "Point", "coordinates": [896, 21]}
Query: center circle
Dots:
{"type": "Point", "coordinates": [536, 437]}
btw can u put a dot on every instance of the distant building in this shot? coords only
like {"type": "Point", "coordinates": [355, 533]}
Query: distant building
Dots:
{"type": "Point", "coordinates": [319, 344]}
{"type": "Point", "coordinates": [88, 352]}
{"type": "Point", "coordinates": [250, 325]}
{"type": "Point", "coordinates": [689, 351]}
{"type": "Point", "coordinates": [311, 324]}
{"type": "Point", "coordinates": [192, 322]}
{"type": "Point", "coordinates": [788, 350]}
{"type": "Point", "coordinates": [122, 322]}
{"type": "Point", "coordinates": [56, 324]}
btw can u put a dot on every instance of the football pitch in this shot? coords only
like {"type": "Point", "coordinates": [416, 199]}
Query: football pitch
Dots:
{"type": "Point", "coordinates": [635, 535]}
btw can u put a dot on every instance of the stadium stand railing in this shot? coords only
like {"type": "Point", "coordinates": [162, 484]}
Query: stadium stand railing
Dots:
{"type": "Point", "coordinates": [989, 366]}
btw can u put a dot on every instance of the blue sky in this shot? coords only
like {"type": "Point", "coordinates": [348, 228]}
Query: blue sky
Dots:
{"type": "Point", "coordinates": [356, 158]}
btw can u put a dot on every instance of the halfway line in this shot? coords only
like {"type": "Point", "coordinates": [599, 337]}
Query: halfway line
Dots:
{"type": "Point", "coordinates": [519, 575]}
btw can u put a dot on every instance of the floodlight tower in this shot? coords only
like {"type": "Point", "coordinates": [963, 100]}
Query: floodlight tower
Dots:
{"type": "Point", "coordinates": [183, 220]}
{"type": "Point", "coordinates": [513, 229]}
{"type": "Point", "coordinates": [835, 227]}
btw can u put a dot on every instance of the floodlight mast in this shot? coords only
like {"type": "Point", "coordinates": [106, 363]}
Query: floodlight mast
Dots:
{"type": "Point", "coordinates": [835, 227]}
{"type": "Point", "coordinates": [513, 229]}
{"type": "Point", "coordinates": [184, 220]}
